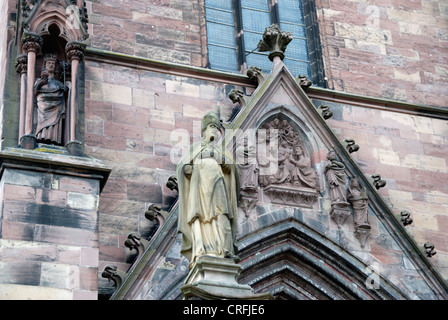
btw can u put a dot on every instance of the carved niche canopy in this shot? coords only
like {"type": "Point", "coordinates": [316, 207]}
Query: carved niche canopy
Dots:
{"type": "Point", "coordinates": [286, 174]}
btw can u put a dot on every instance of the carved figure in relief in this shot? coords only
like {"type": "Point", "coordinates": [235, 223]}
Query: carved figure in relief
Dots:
{"type": "Point", "coordinates": [302, 174]}
{"type": "Point", "coordinates": [208, 183]}
{"type": "Point", "coordinates": [51, 96]}
{"type": "Point", "coordinates": [247, 165]}
{"type": "Point", "coordinates": [335, 175]}
{"type": "Point", "coordinates": [358, 198]}
{"type": "Point", "coordinates": [287, 157]}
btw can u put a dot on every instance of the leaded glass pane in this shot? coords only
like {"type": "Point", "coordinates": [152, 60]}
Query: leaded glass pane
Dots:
{"type": "Point", "coordinates": [255, 4]}
{"type": "Point", "coordinates": [220, 34]}
{"type": "Point", "coordinates": [297, 49]}
{"type": "Point", "coordinates": [222, 58]}
{"type": "Point", "coordinates": [298, 68]}
{"type": "Point", "coordinates": [220, 16]}
{"type": "Point", "coordinates": [291, 11]}
{"type": "Point", "coordinates": [220, 4]}
{"type": "Point", "coordinates": [255, 20]}
{"type": "Point", "coordinates": [259, 60]}
{"type": "Point", "coordinates": [297, 30]}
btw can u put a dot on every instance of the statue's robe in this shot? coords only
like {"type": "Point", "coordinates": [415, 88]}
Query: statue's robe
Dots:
{"type": "Point", "coordinates": [51, 109]}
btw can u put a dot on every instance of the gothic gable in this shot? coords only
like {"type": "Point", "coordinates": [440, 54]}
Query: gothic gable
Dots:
{"type": "Point", "coordinates": [312, 225]}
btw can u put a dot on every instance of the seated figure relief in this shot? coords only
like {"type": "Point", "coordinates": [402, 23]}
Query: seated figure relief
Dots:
{"type": "Point", "coordinates": [284, 169]}
{"type": "Point", "coordinates": [288, 162]}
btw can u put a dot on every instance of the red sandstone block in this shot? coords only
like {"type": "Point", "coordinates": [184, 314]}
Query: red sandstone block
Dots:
{"type": "Point", "coordinates": [112, 11]}
{"type": "Point", "coordinates": [66, 236]}
{"type": "Point", "coordinates": [14, 230]}
{"type": "Point", "coordinates": [83, 185]}
{"type": "Point", "coordinates": [50, 196]}
{"type": "Point", "coordinates": [115, 188]}
{"type": "Point", "coordinates": [85, 295]}
{"type": "Point", "coordinates": [69, 255]}
{"type": "Point", "coordinates": [114, 143]}
{"type": "Point", "coordinates": [111, 253]}
{"type": "Point", "coordinates": [144, 191]}
{"type": "Point", "coordinates": [101, 109]}
{"type": "Point", "coordinates": [17, 192]}
{"type": "Point", "coordinates": [168, 102]}
{"type": "Point", "coordinates": [113, 129]}
{"type": "Point", "coordinates": [88, 278]}
{"type": "Point", "coordinates": [89, 257]}
{"type": "Point", "coordinates": [123, 114]}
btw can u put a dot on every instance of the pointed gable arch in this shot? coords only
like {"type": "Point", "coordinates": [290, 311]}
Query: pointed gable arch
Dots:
{"type": "Point", "coordinates": [294, 261]}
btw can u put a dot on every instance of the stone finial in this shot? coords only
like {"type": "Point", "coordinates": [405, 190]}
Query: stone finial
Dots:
{"type": "Point", "coordinates": [429, 249]}
{"type": "Point", "coordinates": [377, 181]}
{"type": "Point", "coordinates": [275, 41]}
{"type": "Point", "coordinates": [350, 145]}
{"type": "Point", "coordinates": [238, 96]}
{"type": "Point", "coordinates": [325, 112]}
{"type": "Point", "coordinates": [406, 217]}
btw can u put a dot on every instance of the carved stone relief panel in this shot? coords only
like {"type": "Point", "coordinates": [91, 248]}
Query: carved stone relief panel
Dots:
{"type": "Point", "coordinates": [286, 174]}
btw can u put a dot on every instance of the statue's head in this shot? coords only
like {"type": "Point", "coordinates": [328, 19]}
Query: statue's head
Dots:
{"type": "Point", "coordinates": [50, 62]}
{"type": "Point", "coordinates": [211, 127]}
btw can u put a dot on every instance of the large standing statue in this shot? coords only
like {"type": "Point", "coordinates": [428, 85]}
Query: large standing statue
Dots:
{"type": "Point", "coordinates": [208, 185]}
{"type": "Point", "coordinates": [51, 97]}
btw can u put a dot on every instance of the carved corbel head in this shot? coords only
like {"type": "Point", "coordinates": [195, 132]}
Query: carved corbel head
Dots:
{"type": "Point", "coordinates": [406, 217]}
{"type": "Point", "coordinates": [237, 96]}
{"type": "Point", "coordinates": [256, 75]}
{"type": "Point", "coordinates": [377, 181]}
{"type": "Point", "coordinates": [429, 249]}
{"type": "Point", "coordinates": [350, 145]}
{"type": "Point", "coordinates": [325, 111]}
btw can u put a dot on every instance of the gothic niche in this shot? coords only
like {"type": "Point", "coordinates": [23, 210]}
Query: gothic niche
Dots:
{"type": "Point", "coordinates": [285, 174]}
{"type": "Point", "coordinates": [50, 53]}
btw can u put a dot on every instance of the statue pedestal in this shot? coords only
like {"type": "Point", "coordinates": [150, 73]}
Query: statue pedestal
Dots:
{"type": "Point", "coordinates": [213, 278]}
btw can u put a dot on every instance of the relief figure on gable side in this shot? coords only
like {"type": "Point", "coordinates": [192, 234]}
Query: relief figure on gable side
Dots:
{"type": "Point", "coordinates": [247, 165]}
{"type": "Point", "coordinates": [335, 174]}
{"type": "Point", "coordinates": [358, 198]}
{"type": "Point", "coordinates": [302, 174]}
{"type": "Point", "coordinates": [51, 95]}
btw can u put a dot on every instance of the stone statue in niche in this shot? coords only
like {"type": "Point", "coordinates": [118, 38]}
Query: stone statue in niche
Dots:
{"type": "Point", "coordinates": [287, 176]}
{"type": "Point", "coordinates": [335, 176]}
{"type": "Point", "coordinates": [208, 185]}
{"type": "Point", "coordinates": [51, 95]}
